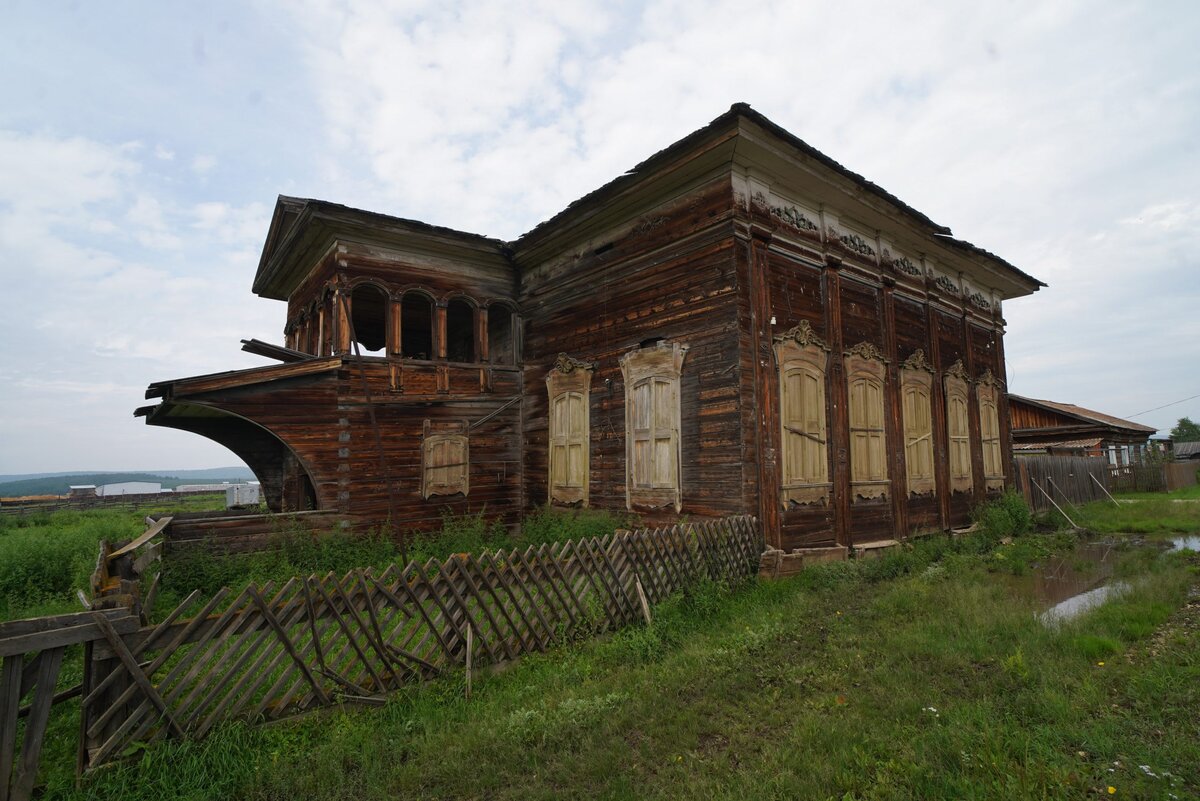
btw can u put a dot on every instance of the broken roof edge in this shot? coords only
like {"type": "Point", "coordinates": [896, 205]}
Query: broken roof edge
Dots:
{"type": "Point", "coordinates": [1090, 415]}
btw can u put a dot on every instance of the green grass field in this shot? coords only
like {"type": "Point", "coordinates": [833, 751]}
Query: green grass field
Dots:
{"type": "Point", "coordinates": [920, 675]}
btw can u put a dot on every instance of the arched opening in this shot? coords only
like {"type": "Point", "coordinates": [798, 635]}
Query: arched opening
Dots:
{"type": "Point", "coordinates": [368, 316]}
{"type": "Point", "coordinates": [460, 331]}
{"type": "Point", "coordinates": [416, 327]}
{"type": "Point", "coordinates": [501, 333]}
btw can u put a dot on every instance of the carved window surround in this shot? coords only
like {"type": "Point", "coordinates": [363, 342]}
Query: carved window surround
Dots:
{"type": "Point", "coordinates": [803, 360]}
{"type": "Point", "coordinates": [866, 373]}
{"type": "Point", "coordinates": [916, 394]}
{"type": "Point", "coordinates": [653, 473]}
{"type": "Point", "coordinates": [568, 385]}
{"type": "Point", "coordinates": [957, 388]}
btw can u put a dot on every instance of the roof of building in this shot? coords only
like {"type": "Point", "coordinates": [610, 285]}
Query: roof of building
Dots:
{"type": "Point", "coordinates": [1185, 450]}
{"type": "Point", "coordinates": [1070, 444]}
{"type": "Point", "coordinates": [293, 214]}
{"type": "Point", "coordinates": [1087, 415]}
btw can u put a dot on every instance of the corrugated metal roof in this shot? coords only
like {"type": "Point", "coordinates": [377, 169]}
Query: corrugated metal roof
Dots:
{"type": "Point", "coordinates": [1072, 443]}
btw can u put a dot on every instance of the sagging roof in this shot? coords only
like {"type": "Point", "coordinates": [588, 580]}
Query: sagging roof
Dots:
{"type": "Point", "coordinates": [1084, 415]}
{"type": "Point", "coordinates": [293, 215]}
{"type": "Point", "coordinates": [1069, 444]}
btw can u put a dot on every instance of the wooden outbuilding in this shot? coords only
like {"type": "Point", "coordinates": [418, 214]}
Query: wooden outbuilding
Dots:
{"type": "Point", "coordinates": [1050, 427]}
{"type": "Point", "coordinates": [738, 324]}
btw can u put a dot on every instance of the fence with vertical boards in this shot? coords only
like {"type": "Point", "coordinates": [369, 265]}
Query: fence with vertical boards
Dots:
{"type": "Point", "coordinates": [1074, 479]}
{"type": "Point", "coordinates": [272, 651]}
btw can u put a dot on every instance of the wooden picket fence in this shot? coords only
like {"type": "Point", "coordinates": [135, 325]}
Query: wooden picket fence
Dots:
{"type": "Point", "coordinates": [270, 651]}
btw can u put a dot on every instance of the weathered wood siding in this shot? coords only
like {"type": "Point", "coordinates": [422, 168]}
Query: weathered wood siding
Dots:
{"type": "Point", "coordinates": [667, 274]}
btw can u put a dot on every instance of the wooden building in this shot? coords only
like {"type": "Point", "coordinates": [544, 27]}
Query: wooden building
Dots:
{"type": "Point", "coordinates": [736, 325]}
{"type": "Point", "coordinates": [1048, 427]}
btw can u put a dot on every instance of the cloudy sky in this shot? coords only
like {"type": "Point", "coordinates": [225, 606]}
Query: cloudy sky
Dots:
{"type": "Point", "coordinates": [142, 146]}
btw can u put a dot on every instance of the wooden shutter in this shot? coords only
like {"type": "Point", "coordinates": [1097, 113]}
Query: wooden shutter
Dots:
{"type": "Point", "coordinates": [958, 429]}
{"type": "Point", "coordinates": [865, 374]}
{"type": "Point", "coordinates": [652, 423]}
{"type": "Point", "coordinates": [803, 458]}
{"type": "Point", "coordinates": [918, 431]}
{"type": "Point", "coordinates": [569, 436]}
{"type": "Point", "coordinates": [445, 458]}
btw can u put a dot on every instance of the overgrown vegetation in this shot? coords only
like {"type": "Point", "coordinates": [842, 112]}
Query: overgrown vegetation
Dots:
{"type": "Point", "coordinates": [1144, 513]}
{"type": "Point", "coordinates": [913, 675]}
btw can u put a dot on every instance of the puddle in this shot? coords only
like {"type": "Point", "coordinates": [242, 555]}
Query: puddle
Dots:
{"type": "Point", "coordinates": [1066, 586]}
{"type": "Point", "coordinates": [1190, 542]}
{"type": "Point", "coordinates": [1084, 602]}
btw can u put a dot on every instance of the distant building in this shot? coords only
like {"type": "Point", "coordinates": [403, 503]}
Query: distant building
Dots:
{"type": "Point", "coordinates": [1048, 427]}
{"type": "Point", "coordinates": [242, 495]}
{"type": "Point", "coordinates": [204, 487]}
{"type": "Point", "coordinates": [1187, 450]}
{"type": "Point", "coordinates": [129, 488]}
{"type": "Point", "coordinates": [82, 491]}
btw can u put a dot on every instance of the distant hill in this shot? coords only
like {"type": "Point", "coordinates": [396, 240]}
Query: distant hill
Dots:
{"type": "Point", "coordinates": [57, 483]}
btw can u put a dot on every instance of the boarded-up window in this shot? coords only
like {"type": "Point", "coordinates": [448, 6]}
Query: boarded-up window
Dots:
{"type": "Point", "coordinates": [652, 420]}
{"type": "Point", "coordinates": [958, 429]}
{"type": "Point", "coordinates": [804, 459]}
{"type": "Point", "coordinates": [445, 459]}
{"type": "Point", "coordinates": [916, 383]}
{"type": "Point", "coordinates": [568, 385]}
{"type": "Point", "coordinates": [989, 431]}
{"type": "Point", "coordinates": [865, 373]}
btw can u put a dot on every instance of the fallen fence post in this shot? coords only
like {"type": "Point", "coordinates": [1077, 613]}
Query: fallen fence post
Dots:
{"type": "Point", "coordinates": [1056, 506]}
{"type": "Point", "coordinates": [1060, 492]}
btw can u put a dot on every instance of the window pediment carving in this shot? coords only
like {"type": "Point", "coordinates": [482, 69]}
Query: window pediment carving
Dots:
{"type": "Point", "coordinates": [868, 351]}
{"type": "Point", "coordinates": [957, 370]}
{"type": "Point", "coordinates": [803, 335]}
{"type": "Point", "coordinates": [917, 361]}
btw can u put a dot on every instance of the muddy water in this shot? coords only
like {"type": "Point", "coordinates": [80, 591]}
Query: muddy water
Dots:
{"type": "Point", "coordinates": [1071, 584]}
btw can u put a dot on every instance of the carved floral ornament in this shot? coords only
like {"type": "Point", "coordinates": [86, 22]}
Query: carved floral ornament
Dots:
{"type": "Point", "coordinates": [793, 216]}
{"type": "Point", "coordinates": [566, 364]}
{"type": "Point", "coordinates": [867, 350]}
{"type": "Point", "coordinates": [902, 264]}
{"type": "Point", "coordinates": [979, 301]}
{"type": "Point", "coordinates": [852, 242]}
{"type": "Point", "coordinates": [946, 285]}
{"type": "Point", "coordinates": [917, 361]}
{"type": "Point", "coordinates": [803, 335]}
{"type": "Point", "coordinates": [957, 370]}
{"type": "Point", "coordinates": [989, 379]}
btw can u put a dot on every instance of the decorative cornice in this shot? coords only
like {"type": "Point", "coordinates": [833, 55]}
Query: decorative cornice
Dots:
{"type": "Point", "coordinates": [979, 301]}
{"type": "Point", "coordinates": [793, 216]}
{"type": "Point", "coordinates": [803, 335]}
{"type": "Point", "coordinates": [917, 361]}
{"type": "Point", "coordinates": [947, 285]}
{"type": "Point", "coordinates": [867, 350]}
{"type": "Point", "coordinates": [957, 370]}
{"type": "Point", "coordinates": [857, 244]}
{"type": "Point", "coordinates": [567, 365]}
{"type": "Point", "coordinates": [989, 379]}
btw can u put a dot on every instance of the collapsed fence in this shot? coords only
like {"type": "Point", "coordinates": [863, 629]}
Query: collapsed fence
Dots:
{"type": "Point", "coordinates": [271, 651]}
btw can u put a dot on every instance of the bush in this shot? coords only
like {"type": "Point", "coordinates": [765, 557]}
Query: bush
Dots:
{"type": "Point", "coordinates": [1007, 516]}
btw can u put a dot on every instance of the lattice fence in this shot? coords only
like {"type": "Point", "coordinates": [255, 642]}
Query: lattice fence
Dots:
{"type": "Point", "coordinates": [271, 651]}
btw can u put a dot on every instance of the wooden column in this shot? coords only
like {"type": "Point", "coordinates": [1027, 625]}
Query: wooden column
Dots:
{"type": "Point", "coordinates": [978, 482]}
{"type": "Point", "coordinates": [1006, 452]}
{"type": "Point", "coordinates": [394, 329]}
{"type": "Point", "coordinates": [937, 399]}
{"type": "Point", "coordinates": [439, 329]}
{"type": "Point", "coordinates": [839, 413]}
{"type": "Point", "coordinates": [341, 322]}
{"type": "Point", "coordinates": [893, 402]}
{"type": "Point", "coordinates": [766, 389]}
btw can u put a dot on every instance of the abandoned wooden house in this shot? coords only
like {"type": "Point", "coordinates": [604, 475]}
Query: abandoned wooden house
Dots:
{"type": "Point", "coordinates": [1049, 427]}
{"type": "Point", "coordinates": [736, 325]}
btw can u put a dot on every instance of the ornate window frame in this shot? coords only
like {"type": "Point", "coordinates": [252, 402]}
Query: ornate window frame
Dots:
{"type": "Point", "coordinates": [802, 358]}
{"type": "Point", "coordinates": [987, 393]}
{"type": "Point", "coordinates": [958, 427]}
{"type": "Point", "coordinates": [568, 385]}
{"type": "Point", "coordinates": [866, 375]}
{"type": "Point", "coordinates": [653, 469]}
{"type": "Point", "coordinates": [916, 405]}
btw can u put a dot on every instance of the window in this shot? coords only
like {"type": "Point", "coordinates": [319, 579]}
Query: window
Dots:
{"type": "Point", "coordinates": [368, 316]}
{"type": "Point", "coordinates": [501, 334]}
{"type": "Point", "coordinates": [958, 428]}
{"type": "Point", "coordinates": [652, 413]}
{"type": "Point", "coordinates": [916, 383]}
{"type": "Point", "coordinates": [460, 331]}
{"type": "Point", "coordinates": [804, 461]}
{"type": "Point", "coordinates": [568, 386]}
{"type": "Point", "coordinates": [865, 373]}
{"type": "Point", "coordinates": [989, 430]}
{"type": "Point", "coordinates": [416, 326]}
{"type": "Point", "coordinates": [445, 458]}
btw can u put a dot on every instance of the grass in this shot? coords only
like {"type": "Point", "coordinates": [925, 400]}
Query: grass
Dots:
{"type": "Point", "coordinates": [913, 676]}
{"type": "Point", "coordinates": [1158, 515]}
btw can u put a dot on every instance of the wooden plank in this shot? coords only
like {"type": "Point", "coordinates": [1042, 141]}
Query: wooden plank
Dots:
{"type": "Point", "coordinates": [142, 539]}
{"type": "Point", "coordinates": [39, 718]}
{"type": "Point", "coordinates": [135, 671]}
{"type": "Point", "coordinates": [123, 623]}
{"type": "Point", "coordinates": [10, 701]}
